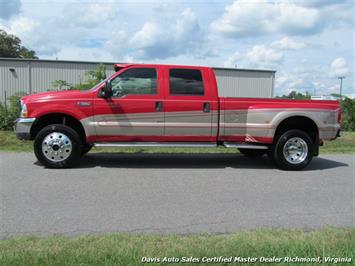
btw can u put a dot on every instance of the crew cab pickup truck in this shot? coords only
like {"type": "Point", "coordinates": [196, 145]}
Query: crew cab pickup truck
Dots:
{"type": "Point", "coordinates": [179, 106]}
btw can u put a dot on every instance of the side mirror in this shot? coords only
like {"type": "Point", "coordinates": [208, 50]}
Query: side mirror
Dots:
{"type": "Point", "coordinates": [107, 89]}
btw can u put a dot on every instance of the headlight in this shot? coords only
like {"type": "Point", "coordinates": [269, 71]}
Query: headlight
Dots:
{"type": "Point", "coordinates": [23, 109]}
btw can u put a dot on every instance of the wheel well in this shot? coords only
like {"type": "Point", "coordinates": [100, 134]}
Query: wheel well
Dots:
{"type": "Point", "coordinates": [299, 122]}
{"type": "Point", "coordinates": [58, 118]}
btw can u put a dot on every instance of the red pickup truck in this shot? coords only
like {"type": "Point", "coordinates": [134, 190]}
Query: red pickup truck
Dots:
{"type": "Point", "coordinates": [179, 106]}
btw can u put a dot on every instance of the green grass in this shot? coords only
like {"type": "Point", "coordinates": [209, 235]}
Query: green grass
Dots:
{"type": "Point", "coordinates": [344, 144]}
{"type": "Point", "coordinates": [9, 142]}
{"type": "Point", "coordinates": [128, 249]}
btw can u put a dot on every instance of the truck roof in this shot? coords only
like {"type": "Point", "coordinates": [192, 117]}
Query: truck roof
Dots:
{"type": "Point", "coordinates": [119, 66]}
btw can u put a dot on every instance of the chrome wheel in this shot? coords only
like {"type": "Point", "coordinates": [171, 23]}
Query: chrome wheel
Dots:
{"type": "Point", "coordinates": [57, 147]}
{"type": "Point", "coordinates": [295, 150]}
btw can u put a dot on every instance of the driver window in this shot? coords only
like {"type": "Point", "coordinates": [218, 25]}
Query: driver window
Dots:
{"type": "Point", "coordinates": [135, 81]}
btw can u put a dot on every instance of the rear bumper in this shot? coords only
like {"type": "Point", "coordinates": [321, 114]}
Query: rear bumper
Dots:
{"type": "Point", "coordinates": [338, 133]}
{"type": "Point", "coordinates": [23, 128]}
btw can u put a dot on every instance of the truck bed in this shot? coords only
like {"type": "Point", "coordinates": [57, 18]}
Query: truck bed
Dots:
{"type": "Point", "coordinates": [255, 120]}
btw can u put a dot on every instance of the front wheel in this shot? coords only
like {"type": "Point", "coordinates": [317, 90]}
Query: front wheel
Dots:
{"type": "Point", "coordinates": [57, 146]}
{"type": "Point", "coordinates": [293, 150]}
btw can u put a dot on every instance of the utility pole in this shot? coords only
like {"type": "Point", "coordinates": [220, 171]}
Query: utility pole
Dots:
{"type": "Point", "coordinates": [341, 85]}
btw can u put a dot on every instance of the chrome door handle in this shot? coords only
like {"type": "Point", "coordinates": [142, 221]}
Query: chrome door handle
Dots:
{"type": "Point", "coordinates": [206, 107]}
{"type": "Point", "coordinates": [158, 106]}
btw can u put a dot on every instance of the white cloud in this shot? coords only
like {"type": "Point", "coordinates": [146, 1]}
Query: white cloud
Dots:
{"type": "Point", "coordinates": [262, 56]}
{"type": "Point", "coordinates": [78, 53]}
{"type": "Point", "coordinates": [23, 26]}
{"type": "Point", "coordinates": [94, 25]}
{"type": "Point", "coordinates": [314, 79]}
{"type": "Point", "coordinates": [287, 43]}
{"type": "Point", "coordinates": [163, 39]}
{"type": "Point", "coordinates": [233, 60]}
{"type": "Point", "coordinates": [28, 30]}
{"type": "Point", "coordinates": [294, 19]}
{"type": "Point", "coordinates": [331, 89]}
{"type": "Point", "coordinates": [285, 83]}
{"type": "Point", "coordinates": [91, 15]}
{"type": "Point", "coordinates": [20, 26]}
{"type": "Point", "coordinates": [309, 78]}
{"type": "Point", "coordinates": [57, 30]}
{"type": "Point", "coordinates": [178, 32]}
{"type": "Point", "coordinates": [339, 67]}
{"type": "Point", "coordinates": [254, 17]}
{"type": "Point", "coordinates": [258, 56]}
{"type": "Point", "coordinates": [148, 36]}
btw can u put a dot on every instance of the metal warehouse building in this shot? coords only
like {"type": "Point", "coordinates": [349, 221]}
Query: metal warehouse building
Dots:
{"type": "Point", "coordinates": [37, 75]}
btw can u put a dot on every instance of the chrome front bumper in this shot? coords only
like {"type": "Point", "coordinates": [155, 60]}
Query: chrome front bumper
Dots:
{"type": "Point", "coordinates": [23, 127]}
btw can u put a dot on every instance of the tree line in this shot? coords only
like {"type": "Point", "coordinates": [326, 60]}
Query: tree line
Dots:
{"type": "Point", "coordinates": [10, 46]}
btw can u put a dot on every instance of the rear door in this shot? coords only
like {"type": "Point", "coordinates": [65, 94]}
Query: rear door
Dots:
{"type": "Point", "coordinates": [191, 108]}
{"type": "Point", "coordinates": [135, 110]}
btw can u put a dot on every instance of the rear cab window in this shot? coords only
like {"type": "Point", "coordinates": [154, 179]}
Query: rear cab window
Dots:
{"type": "Point", "coordinates": [187, 82]}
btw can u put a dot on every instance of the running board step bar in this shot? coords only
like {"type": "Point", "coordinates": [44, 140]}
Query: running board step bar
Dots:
{"type": "Point", "coordinates": [157, 144]}
{"type": "Point", "coordinates": [245, 146]}
{"type": "Point", "coordinates": [180, 144]}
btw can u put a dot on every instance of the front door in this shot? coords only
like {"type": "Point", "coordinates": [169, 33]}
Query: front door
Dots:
{"type": "Point", "coordinates": [135, 110]}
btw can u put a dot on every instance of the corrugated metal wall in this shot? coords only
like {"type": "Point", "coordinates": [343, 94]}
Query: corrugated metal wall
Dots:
{"type": "Point", "coordinates": [14, 76]}
{"type": "Point", "coordinates": [245, 83]}
{"type": "Point", "coordinates": [44, 73]}
{"type": "Point", "coordinates": [31, 76]}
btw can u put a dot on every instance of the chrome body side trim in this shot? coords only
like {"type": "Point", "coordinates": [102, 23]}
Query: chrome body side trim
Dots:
{"type": "Point", "coordinates": [179, 144]}
{"type": "Point", "coordinates": [260, 122]}
{"type": "Point", "coordinates": [23, 127]}
{"type": "Point", "coordinates": [157, 144]}
{"type": "Point", "coordinates": [244, 146]}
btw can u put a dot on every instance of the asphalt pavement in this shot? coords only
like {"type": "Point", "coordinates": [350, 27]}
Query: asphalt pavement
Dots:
{"type": "Point", "coordinates": [172, 193]}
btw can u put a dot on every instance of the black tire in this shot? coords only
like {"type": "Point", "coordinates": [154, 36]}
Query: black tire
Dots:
{"type": "Point", "coordinates": [252, 153]}
{"type": "Point", "coordinates": [70, 159]}
{"type": "Point", "coordinates": [300, 153]}
{"type": "Point", "coordinates": [86, 148]}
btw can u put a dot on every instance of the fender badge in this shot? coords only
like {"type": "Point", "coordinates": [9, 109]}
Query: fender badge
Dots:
{"type": "Point", "coordinates": [84, 103]}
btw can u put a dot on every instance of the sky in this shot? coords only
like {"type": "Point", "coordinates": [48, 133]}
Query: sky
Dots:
{"type": "Point", "coordinates": [310, 43]}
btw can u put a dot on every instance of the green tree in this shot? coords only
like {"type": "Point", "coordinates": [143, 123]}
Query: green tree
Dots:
{"type": "Point", "coordinates": [296, 96]}
{"type": "Point", "coordinates": [9, 113]}
{"type": "Point", "coordinates": [97, 75]}
{"type": "Point", "coordinates": [347, 108]}
{"type": "Point", "coordinates": [336, 95]}
{"type": "Point", "coordinates": [61, 84]}
{"type": "Point", "coordinates": [10, 46]}
{"type": "Point", "coordinates": [93, 77]}
{"type": "Point", "coordinates": [348, 114]}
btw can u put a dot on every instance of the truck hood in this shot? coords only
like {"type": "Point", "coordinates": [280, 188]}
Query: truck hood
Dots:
{"type": "Point", "coordinates": [53, 95]}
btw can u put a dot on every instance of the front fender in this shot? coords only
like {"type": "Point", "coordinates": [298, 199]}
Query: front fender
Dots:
{"type": "Point", "coordinates": [58, 108]}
